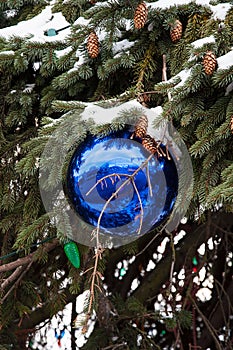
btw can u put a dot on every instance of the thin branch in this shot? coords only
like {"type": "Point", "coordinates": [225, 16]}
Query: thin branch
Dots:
{"type": "Point", "coordinates": [27, 259]}
{"type": "Point", "coordinates": [94, 277]}
{"type": "Point", "coordinates": [141, 206]}
{"type": "Point", "coordinates": [113, 347]}
{"type": "Point", "coordinates": [148, 179]}
{"type": "Point", "coordinates": [14, 264]}
{"type": "Point", "coordinates": [173, 262]}
{"type": "Point", "coordinates": [151, 241]}
{"type": "Point", "coordinates": [164, 75]}
{"type": "Point", "coordinates": [11, 278]}
{"type": "Point", "coordinates": [16, 283]}
{"type": "Point", "coordinates": [207, 323]}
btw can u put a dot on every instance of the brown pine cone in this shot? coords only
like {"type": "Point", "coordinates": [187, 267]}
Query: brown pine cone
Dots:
{"type": "Point", "coordinates": [176, 31]}
{"type": "Point", "coordinates": [93, 45]}
{"type": "Point", "coordinates": [140, 15]}
{"type": "Point", "coordinates": [209, 62]}
{"type": "Point", "coordinates": [150, 144]}
{"type": "Point", "coordinates": [141, 126]}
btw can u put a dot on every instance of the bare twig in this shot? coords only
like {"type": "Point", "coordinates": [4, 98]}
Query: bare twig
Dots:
{"type": "Point", "coordinates": [17, 282]}
{"type": "Point", "coordinates": [12, 277]}
{"type": "Point", "coordinates": [113, 346]}
{"type": "Point", "coordinates": [207, 323]}
{"type": "Point", "coordinates": [164, 75]}
{"type": "Point", "coordinates": [141, 206]}
{"type": "Point", "coordinates": [172, 263]}
{"type": "Point", "coordinates": [94, 276]}
{"type": "Point", "coordinates": [110, 176]}
{"type": "Point", "coordinates": [151, 241]}
{"type": "Point", "coordinates": [148, 179]}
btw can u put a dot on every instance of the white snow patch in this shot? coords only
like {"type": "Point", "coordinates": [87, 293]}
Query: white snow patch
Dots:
{"type": "Point", "coordinates": [37, 25]}
{"type": "Point", "coordinates": [225, 61]}
{"type": "Point", "coordinates": [200, 42]}
{"type": "Point", "coordinates": [82, 21]}
{"type": "Point", "coordinates": [122, 46]}
{"type": "Point", "coordinates": [7, 53]}
{"type": "Point", "coordinates": [220, 10]}
{"type": "Point", "coordinates": [29, 88]}
{"type": "Point", "coordinates": [60, 53]}
{"type": "Point", "coordinates": [183, 75]}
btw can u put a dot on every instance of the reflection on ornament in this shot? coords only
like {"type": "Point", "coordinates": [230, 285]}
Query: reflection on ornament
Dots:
{"type": "Point", "coordinates": [102, 165]}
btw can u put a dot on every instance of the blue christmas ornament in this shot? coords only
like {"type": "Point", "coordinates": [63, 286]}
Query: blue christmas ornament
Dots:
{"type": "Point", "coordinates": [110, 178]}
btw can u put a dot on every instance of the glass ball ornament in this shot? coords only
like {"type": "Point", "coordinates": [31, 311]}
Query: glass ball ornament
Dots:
{"type": "Point", "coordinates": [112, 184]}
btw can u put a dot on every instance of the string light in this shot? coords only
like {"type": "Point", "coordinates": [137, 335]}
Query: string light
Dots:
{"type": "Point", "coordinates": [16, 252]}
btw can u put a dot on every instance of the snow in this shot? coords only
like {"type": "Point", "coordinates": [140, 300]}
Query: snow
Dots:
{"type": "Point", "coordinates": [60, 53]}
{"type": "Point", "coordinates": [82, 21]}
{"type": "Point", "coordinates": [219, 11]}
{"type": "Point", "coordinates": [29, 88]}
{"type": "Point", "coordinates": [183, 75]}
{"type": "Point", "coordinates": [200, 42]}
{"type": "Point", "coordinates": [7, 53]}
{"type": "Point", "coordinates": [122, 46]}
{"type": "Point", "coordinates": [225, 61]}
{"type": "Point", "coordinates": [39, 24]}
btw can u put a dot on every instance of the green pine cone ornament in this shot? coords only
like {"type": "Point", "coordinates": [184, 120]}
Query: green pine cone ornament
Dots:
{"type": "Point", "coordinates": [72, 253]}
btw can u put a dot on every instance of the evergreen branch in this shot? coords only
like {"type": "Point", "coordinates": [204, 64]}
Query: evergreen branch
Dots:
{"type": "Point", "coordinates": [27, 259]}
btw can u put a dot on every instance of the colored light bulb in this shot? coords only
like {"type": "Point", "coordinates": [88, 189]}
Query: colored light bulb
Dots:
{"type": "Point", "coordinates": [72, 253]}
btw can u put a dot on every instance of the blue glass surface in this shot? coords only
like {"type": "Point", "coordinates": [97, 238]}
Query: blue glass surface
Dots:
{"type": "Point", "coordinates": [99, 166]}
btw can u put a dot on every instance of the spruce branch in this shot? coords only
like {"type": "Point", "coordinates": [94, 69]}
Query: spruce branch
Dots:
{"type": "Point", "coordinates": [27, 259]}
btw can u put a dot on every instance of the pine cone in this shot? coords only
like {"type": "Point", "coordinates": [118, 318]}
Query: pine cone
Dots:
{"type": "Point", "coordinates": [141, 126]}
{"type": "Point", "coordinates": [231, 124]}
{"type": "Point", "coordinates": [140, 15]}
{"type": "Point", "coordinates": [93, 45]}
{"type": "Point", "coordinates": [176, 31]}
{"type": "Point", "coordinates": [209, 62]}
{"type": "Point", "coordinates": [150, 144]}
